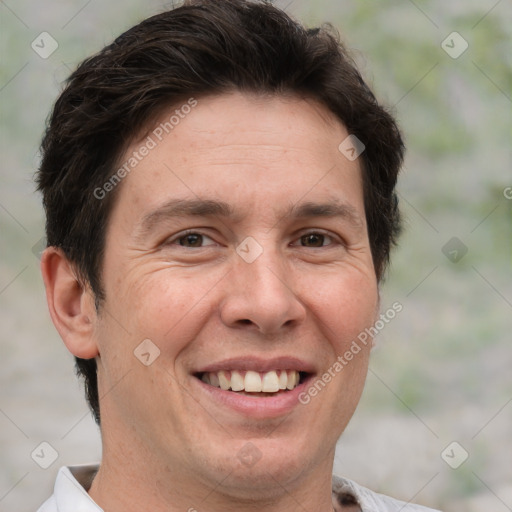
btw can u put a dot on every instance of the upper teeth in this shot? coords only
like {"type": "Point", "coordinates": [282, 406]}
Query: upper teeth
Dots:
{"type": "Point", "coordinates": [251, 381]}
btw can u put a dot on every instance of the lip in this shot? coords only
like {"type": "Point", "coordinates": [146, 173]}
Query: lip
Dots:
{"type": "Point", "coordinates": [265, 407]}
{"type": "Point", "coordinates": [258, 364]}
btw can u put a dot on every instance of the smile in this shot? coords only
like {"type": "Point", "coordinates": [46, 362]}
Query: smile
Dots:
{"type": "Point", "coordinates": [249, 381]}
{"type": "Point", "coordinates": [251, 386]}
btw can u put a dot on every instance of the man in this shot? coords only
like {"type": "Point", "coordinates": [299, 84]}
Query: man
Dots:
{"type": "Point", "coordinates": [219, 190]}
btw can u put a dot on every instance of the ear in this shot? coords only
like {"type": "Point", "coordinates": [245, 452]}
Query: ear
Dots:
{"type": "Point", "coordinates": [71, 305]}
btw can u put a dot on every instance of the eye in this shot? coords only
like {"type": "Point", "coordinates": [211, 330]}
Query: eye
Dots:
{"type": "Point", "coordinates": [192, 239]}
{"type": "Point", "coordinates": [315, 239]}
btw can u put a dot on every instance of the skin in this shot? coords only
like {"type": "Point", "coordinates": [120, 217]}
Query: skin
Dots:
{"type": "Point", "coordinates": [166, 444]}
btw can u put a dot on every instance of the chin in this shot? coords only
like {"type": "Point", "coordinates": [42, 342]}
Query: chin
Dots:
{"type": "Point", "coordinates": [264, 466]}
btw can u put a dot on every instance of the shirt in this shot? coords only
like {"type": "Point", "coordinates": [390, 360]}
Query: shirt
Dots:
{"type": "Point", "coordinates": [70, 495]}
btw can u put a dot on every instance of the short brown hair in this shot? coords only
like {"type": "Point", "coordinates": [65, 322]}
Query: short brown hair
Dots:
{"type": "Point", "coordinates": [201, 48]}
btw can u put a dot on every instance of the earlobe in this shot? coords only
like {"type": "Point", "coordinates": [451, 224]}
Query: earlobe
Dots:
{"type": "Point", "coordinates": [71, 305]}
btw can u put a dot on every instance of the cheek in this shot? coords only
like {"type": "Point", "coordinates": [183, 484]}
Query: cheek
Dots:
{"type": "Point", "coordinates": [344, 306]}
{"type": "Point", "coordinates": [168, 306]}
{"type": "Point", "coordinates": [159, 307]}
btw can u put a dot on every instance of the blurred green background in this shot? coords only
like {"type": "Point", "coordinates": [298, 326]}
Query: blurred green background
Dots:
{"type": "Point", "coordinates": [441, 369]}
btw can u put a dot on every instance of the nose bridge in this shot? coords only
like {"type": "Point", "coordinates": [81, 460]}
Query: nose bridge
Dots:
{"type": "Point", "coordinates": [262, 293]}
{"type": "Point", "coordinates": [268, 276]}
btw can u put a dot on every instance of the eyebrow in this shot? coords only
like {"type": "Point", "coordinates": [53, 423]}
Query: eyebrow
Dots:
{"type": "Point", "coordinates": [334, 208]}
{"type": "Point", "coordinates": [183, 208]}
{"type": "Point", "coordinates": [213, 208]}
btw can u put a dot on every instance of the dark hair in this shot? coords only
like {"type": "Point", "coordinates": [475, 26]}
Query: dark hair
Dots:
{"type": "Point", "coordinates": [198, 49]}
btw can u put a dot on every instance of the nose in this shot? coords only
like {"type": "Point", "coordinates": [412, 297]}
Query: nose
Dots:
{"type": "Point", "coordinates": [261, 297]}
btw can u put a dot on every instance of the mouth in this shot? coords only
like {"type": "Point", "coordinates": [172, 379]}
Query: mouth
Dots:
{"type": "Point", "coordinates": [252, 386]}
{"type": "Point", "coordinates": [253, 383]}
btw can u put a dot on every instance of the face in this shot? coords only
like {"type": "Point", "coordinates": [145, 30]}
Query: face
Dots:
{"type": "Point", "coordinates": [238, 249]}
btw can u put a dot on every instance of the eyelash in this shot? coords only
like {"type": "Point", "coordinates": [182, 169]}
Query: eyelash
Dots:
{"type": "Point", "coordinates": [334, 239]}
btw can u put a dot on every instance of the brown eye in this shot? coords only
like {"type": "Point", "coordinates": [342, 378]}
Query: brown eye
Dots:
{"type": "Point", "coordinates": [313, 240]}
{"type": "Point", "coordinates": [191, 240]}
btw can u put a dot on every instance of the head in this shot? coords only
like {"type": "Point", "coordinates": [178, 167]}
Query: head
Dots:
{"type": "Point", "coordinates": [224, 119]}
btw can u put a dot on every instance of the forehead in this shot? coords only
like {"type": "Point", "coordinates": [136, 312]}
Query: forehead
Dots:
{"type": "Point", "coordinates": [242, 150]}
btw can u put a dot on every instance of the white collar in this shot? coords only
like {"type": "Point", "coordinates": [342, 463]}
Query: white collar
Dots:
{"type": "Point", "coordinates": [69, 492]}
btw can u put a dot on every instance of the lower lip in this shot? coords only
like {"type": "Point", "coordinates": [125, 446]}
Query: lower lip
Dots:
{"type": "Point", "coordinates": [254, 406]}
